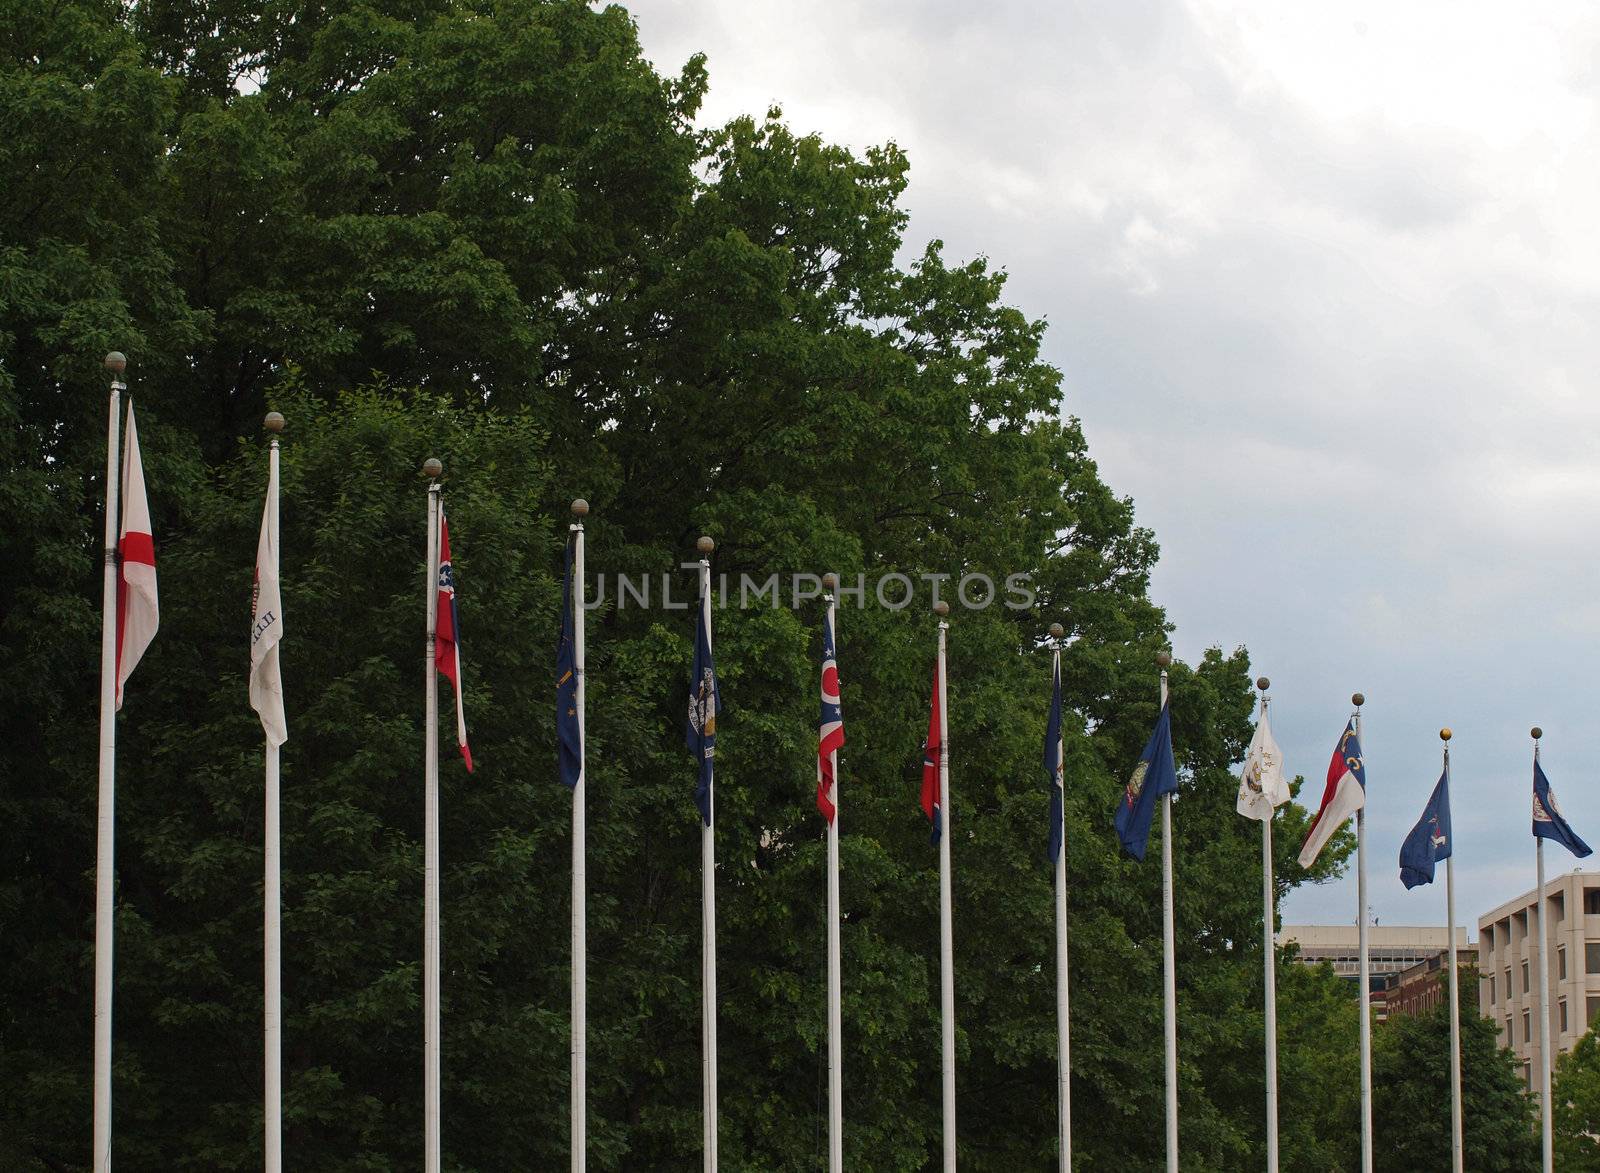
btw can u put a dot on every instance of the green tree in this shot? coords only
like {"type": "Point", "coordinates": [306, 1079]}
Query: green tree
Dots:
{"type": "Point", "coordinates": [1575, 1095]}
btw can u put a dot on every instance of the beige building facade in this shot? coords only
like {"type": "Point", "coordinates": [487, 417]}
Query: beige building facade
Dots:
{"type": "Point", "coordinates": [1508, 953]}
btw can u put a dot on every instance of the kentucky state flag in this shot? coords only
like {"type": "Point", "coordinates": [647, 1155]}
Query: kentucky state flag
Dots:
{"type": "Point", "coordinates": [1155, 775]}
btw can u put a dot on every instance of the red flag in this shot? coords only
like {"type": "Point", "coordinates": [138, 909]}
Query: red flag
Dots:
{"type": "Point", "coordinates": [446, 632]}
{"type": "Point", "coordinates": [932, 798]}
{"type": "Point", "coordinates": [138, 610]}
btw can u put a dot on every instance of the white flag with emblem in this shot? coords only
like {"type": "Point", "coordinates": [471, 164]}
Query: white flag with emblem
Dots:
{"type": "Point", "coordinates": [1262, 786]}
{"type": "Point", "coordinates": [266, 625]}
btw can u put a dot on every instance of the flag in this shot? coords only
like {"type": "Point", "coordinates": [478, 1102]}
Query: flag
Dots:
{"type": "Point", "coordinates": [705, 702]}
{"type": "Point", "coordinates": [266, 624]}
{"type": "Point", "coordinates": [932, 796]}
{"type": "Point", "coordinates": [1155, 775]}
{"type": "Point", "coordinates": [1548, 822]}
{"type": "Point", "coordinates": [1262, 786]}
{"type": "Point", "coordinates": [568, 734]}
{"type": "Point", "coordinates": [1429, 841]}
{"type": "Point", "coordinates": [447, 635]}
{"type": "Point", "coordinates": [830, 723]}
{"type": "Point", "coordinates": [1345, 793]}
{"type": "Point", "coordinates": [1053, 769]}
{"type": "Point", "coordinates": [138, 611]}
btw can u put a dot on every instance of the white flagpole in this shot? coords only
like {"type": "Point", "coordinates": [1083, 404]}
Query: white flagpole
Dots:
{"type": "Point", "coordinates": [947, 975]}
{"type": "Point", "coordinates": [708, 913]}
{"type": "Point", "coordinates": [1169, 955]}
{"type": "Point", "coordinates": [272, 978]}
{"type": "Point", "coordinates": [1542, 991]}
{"type": "Point", "coordinates": [1270, 967]}
{"type": "Point", "coordinates": [104, 877]}
{"type": "Point", "coordinates": [1364, 967]}
{"type": "Point", "coordinates": [1456, 1146]}
{"type": "Point", "coordinates": [835, 993]}
{"type": "Point", "coordinates": [430, 851]}
{"type": "Point", "coordinates": [580, 886]}
{"type": "Point", "coordinates": [1063, 1018]}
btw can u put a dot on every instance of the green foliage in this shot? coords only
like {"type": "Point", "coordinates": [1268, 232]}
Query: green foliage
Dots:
{"type": "Point", "coordinates": [1575, 1095]}
{"type": "Point", "coordinates": [568, 291]}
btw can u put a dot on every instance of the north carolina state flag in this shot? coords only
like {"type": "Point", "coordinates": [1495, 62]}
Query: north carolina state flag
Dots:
{"type": "Point", "coordinates": [138, 613]}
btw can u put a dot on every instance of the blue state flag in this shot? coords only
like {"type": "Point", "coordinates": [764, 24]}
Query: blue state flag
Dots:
{"type": "Point", "coordinates": [568, 734]}
{"type": "Point", "coordinates": [1155, 775]}
{"type": "Point", "coordinates": [1548, 822]}
{"type": "Point", "coordinates": [1054, 775]}
{"type": "Point", "coordinates": [1429, 841]}
{"type": "Point", "coordinates": [705, 702]}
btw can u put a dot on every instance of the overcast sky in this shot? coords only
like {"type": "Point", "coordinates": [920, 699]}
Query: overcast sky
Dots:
{"type": "Point", "coordinates": [1323, 283]}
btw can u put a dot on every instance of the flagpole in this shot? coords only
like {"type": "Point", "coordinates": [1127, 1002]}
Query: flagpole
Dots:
{"type": "Point", "coordinates": [272, 978]}
{"type": "Point", "coordinates": [104, 878]}
{"type": "Point", "coordinates": [708, 912]}
{"type": "Point", "coordinates": [1270, 965]}
{"type": "Point", "coordinates": [1063, 1018]}
{"type": "Point", "coordinates": [947, 977]}
{"type": "Point", "coordinates": [835, 1031]}
{"type": "Point", "coordinates": [1364, 970]}
{"type": "Point", "coordinates": [1169, 954]}
{"type": "Point", "coordinates": [580, 896]}
{"type": "Point", "coordinates": [1457, 1149]}
{"type": "Point", "coordinates": [1545, 1130]}
{"type": "Point", "coordinates": [431, 469]}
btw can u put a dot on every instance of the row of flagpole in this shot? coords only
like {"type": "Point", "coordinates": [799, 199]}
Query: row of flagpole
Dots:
{"type": "Point", "coordinates": [130, 620]}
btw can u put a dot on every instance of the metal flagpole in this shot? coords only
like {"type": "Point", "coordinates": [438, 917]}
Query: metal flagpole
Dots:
{"type": "Point", "coordinates": [1364, 969]}
{"type": "Point", "coordinates": [1543, 992]}
{"type": "Point", "coordinates": [431, 469]}
{"type": "Point", "coordinates": [1169, 955]}
{"type": "Point", "coordinates": [1270, 966]}
{"type": "Point", "coordinates": [947, 975]}
{"type": "Point", "coordinates": [272, 978]}
{"type": "Point", "coordinates": [104, 879]}
{"type": "Point", "coordinates": [1456, 1146]}
{"type": "Point", "coordinates": [708, 913]}
{"type": "Point", "coordinates": [580, 943]}
{"type": "Point", "coordinates": [1063, 1018]}
{"type": "Point", "coordinates": [835, 1031]}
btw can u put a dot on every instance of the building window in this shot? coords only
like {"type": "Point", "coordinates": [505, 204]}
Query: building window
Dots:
{"type": "Point", "coordinates": [1491, 989]}
{"type": "Point", "coordinates": [1561, 963]}
{"type": "Point", "coordinates": [1591, 901]}
{"type": "Point", "coordinates": [1591, 1010]}
{"type": "Point", "coordinates": [1527, 1026]}
{"type": "Point", "coordinates": [1591, 957]}
{"type": "Point", "coordinates": [1509, 989]}
{"type": "Point", "coordinates": [1562, 1006]}
{"type": "Point", "coordinates": [1525, 985]}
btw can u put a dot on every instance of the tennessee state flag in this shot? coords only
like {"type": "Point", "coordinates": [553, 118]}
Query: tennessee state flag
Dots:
{"type": "Point", "coordinates": [830, 724]}
{"type": "Point", "coordinates": [932, 798]}
{"type": "Point", "coordinates": [138, 609]}
{"type": "Point", "coordinates": [447, 635]}
{"type": "Point", "coordinates": [1344, 795]}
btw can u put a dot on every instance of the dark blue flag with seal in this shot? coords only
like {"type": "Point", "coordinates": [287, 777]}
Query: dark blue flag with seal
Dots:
{"type": "Point", "coordinates": [1053, 771]}
{"type": "Point", "coordinates": [705, 702]}
{"type": "Point", "coordinates": [1154, 775]}
{"type": "Point", "coordinates": [1548, 822]}
{"type": "Point", "coordinates": [1429, 841]}
{"type": "Point", "coordinates": [568, 735]}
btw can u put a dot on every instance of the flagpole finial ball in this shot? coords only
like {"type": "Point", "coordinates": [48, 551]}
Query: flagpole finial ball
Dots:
{"type": "Point", "coordinates": [1057, 631]}
{"type": "Point", "coordinates": [116, 362]}
{"type": "Point", "coordinates": [580, 508]}
{"type": "Point", "coordinates": [1444, 734]}
{"type": "Point", "coordinates": [274, 422]}
{"type": "Point", "coordinates": [1163, 660]}
{"type": "Point", "coordinates": [1263, 683]}
{"type": "Point", "coordinates": [941, 608]}
{"type": "Point", "coordinates": [1358, 699]}
{"type": "Point", "coordinates": [705, 545]}
{"type": "Point", "coordinates": [830, 581]}
{"type": "Point", "coordinates": [432, 469]}
{"type": "Point", "coordinates": [1536, 732]}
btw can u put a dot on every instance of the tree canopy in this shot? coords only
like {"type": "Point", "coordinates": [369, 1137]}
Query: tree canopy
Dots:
{"type": "Point", "coordinates": [494, 233]}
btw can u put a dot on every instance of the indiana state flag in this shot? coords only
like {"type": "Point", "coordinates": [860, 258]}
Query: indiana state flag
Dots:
{"type": "Point", "coordinates": [1429, 841]}
{"type": "Point", "coordinates": [1548, 822]}
{"type": "Point", "coordinates": [705, 702]}
{"type": "Point", "coordinates": [1155, 775]}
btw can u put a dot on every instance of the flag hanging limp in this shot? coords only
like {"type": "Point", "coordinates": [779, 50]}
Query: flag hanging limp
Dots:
{"type": "Point", "coordinates": [1154, 775]}
{"type": "Point", "coordinates": [266, 624]}
{"type": "Point", "coordinates": [447, 635]}
{"type": "Point", "coordinates": [138, 609]}
{"type": "Point", "coordinates": [1262, 786]}
{"type": "Point", "coordinates": [1429, 841]}
{"type": "Point", "coordinates": [932, 796]}
{"type": "Point", "coordinates": [705, 702]}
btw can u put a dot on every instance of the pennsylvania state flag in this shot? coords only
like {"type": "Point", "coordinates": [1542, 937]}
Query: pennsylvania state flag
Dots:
{"type": "Point", "coordinates": [1155, 775]}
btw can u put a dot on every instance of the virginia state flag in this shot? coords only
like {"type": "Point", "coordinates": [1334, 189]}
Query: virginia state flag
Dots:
{"type": "Point", "coordinates": [138, 609]}
{"type": "Point", "coordinates": [568, 736]}
{"type": "Point", "coordinates": [1053, 770]}
{"type": "Point", "coordinates": [447, 635]}
{"type": "Point", "coordinates": [1344, 795]}
{"type": "Point", "coordinates": [705, 702]}
{"type": "Point", "coordinates": [1429, 841]}
{"type": "Point", "coordinates": [830, 723]}
{"type": "Point", "coordinates": [1548, 822]}
{"type": "Point", "coordinates": [1154, 775]}
{"type": "Point", "coordinates": [932, 798]}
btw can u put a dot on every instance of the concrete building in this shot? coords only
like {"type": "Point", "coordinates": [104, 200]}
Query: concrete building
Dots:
{"type": "Point", "coordinates": [1509, 954]}
{"type": "Point", "coordinates": [1390, 950]}
{"type": "Point", "coordinates": [1426, 984]}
